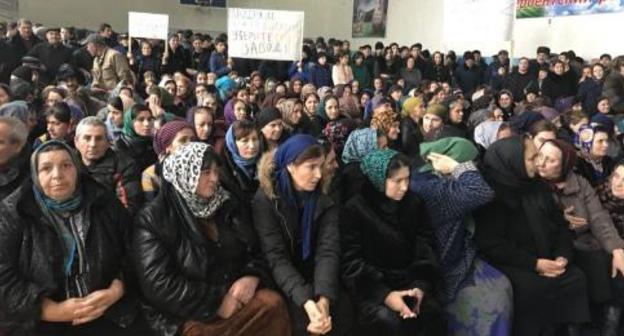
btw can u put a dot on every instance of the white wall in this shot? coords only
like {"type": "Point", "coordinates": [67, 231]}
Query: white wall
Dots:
{"type": "Point", "coordinates": [409, 21]}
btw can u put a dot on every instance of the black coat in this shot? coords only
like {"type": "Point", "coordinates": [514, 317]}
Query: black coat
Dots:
{"type": "Point", "coordinates": [119, 174]}
{"type": "Point", "coordinates": [614, 89]}
{"type": "Point", "coordinates": [31, 258]}
{"type": "Point", "coordinates": [180, 277]}
{"type": "Point", "coordinates": [559, 86]}
{"type": "Point", "coordinates": [278, 227]}
{"type": "Point", "coordinates": [351, 181]}
{"type": "Point", "coordinates": [468, 79]}
{"type": "Point", "coordinates": [438, 73]}
{"type": "Point", "coordinates": [386, 246]}
{"type": "Point", "coordinates": [21, 165]}
{"type": "Point", "coordinates": [587, 170]}
{"type": "Point", "coordinates": [411, 137]}
{"type": "Point", "coordinates": [140, 151]}
{"type": "Point", "coordinates": [52, 57]}
{"type": "Point", "coordinates": [20, 46]}
{"type": "Point", "coordinates": [236, 181]}
{"type": "Point", "coordinates": [9, 60]}
{"type": "Point", "coordinates": [517, 83]}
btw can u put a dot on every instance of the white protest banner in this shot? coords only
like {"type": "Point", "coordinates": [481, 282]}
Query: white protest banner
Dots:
{"type": "Point", "coordinates": [265, 34]}
{"type": "Point", "coordinates": [148, 25]}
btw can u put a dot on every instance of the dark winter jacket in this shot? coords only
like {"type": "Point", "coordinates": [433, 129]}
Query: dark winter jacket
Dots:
{"type": "Point", "coordinates": [236, 181]}
{"type": "Point", "coordinates": [32, 262]}
{"type": "Point", "coordinates": [181, 278]}
{"type": "Point", "coordinates": [321, 75]}
{"type": "Point", "coordinates": [588, 93]}
{"type": "Point", "coordinates": [468, 79]}
{"type": "Point", "coordinates": [438, 73]}
{"type": "Point", "coordinates": [517, 83]}
{"type": "Point", "coordinates": [52, 57]}
{"type": "Point", "coordinates": [16, 173]}
{"type": "Point", "coordinates": [614, 89]}
{"type": "Point", "coordinates": [141, 151]}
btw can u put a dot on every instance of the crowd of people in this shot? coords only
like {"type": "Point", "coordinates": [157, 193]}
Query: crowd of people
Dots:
{"type": "Point", "coordinates": [163, 188]}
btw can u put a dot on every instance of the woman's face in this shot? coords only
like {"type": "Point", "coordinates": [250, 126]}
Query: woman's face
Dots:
{"type": "Point", "coordinates": [57, 174]}
{"type": "Point", "coordinates": [200, 92]}
{"type": "Point", "coordinates": [378, 84]}
{"type": "Point", "coordinates": [530, 97]}
{"type": "Point", "coordinates": [617, 182]}
{"type": "Point", "coordinates": [171, 88]}
{"type": "Point", "coordinates": [143, 124]}
{"type": "Point", "coordinates": [498, 115]}
{"type": "Point", "coordinates": [364, 99]}
{"type": "Point", "coordinates": [307, 174]}
{"type": "Point", "coordinates": [182, 137]}
{"type": "Point", "coordinates": [530, 157]}
{"type": "Point", "coordinates": [57, 129]}
{"type": "Point", "coordinates": [211, 78]}
{"type": "Point", "coordinates": [203, 125]}
{"type": "Point", "coordinates": [240, 111]}
{"type": "Point", "coordinates": [257, 81]}
{"type": "Point", "coordinates": [559, 68]}
{"type": "Point", "coordinates": [146, 49]}
{"type": "Point", "coordinates": [280, 89]}
{"type": "Point", "coordinates": [456, 114]}
{"type": "Point", "coordinates": [598, 72]}
{"type": "Point", "coordinates": [182, 89]}
{"type": "Point", "coordinates": [311, 104]}
{"type": "Point", "coordinates": [542, 137]}
{"type": "Point", "coordinates": [600, 145]}
{"type": "Point", "coordinates": [382, 142]}
{"type": "Point", "coordinates": [331, 109]}
{"type": "Point", "coordinates": [248, 146]}
{"type": "Point", "coordinates": [115, 115]}
{"type": "Point", "coordinates": [437, 58]}
{"type": "Point", "coordinates": [397, 184]}
{"type": "Point", "coordinates": [393, 131]}
{"type": "Point", "coordinates": [330, 165]}
{"type": "Point", "coordinates": [210, 102]}
{"type": "Point", "coordinates": [549, 162]}
{"type": "Point", "coordinates": [208, 182]}
{"type": "Point", "coordinates": [297, 85]}
{"type": "Point", "coordinates": [202, 78]}
{"type": "Point", "coordinates": [296, 114]}
{"type": "Point", "coordinates": [53, 98]}
{"type": "Point", "coordinates": [243, 95]}
{"type": "Point", "coordinates": [273, 130]}
{"type": "Point", "coordinates": [418, 112]}
{"type": "Point", "coordinates": [432, 122]}
{"type": "Point", "coordinates": [604, 106]}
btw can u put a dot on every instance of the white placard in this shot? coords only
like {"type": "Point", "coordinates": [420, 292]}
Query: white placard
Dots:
{"type": "Point", "coordinates": [265, 34]}
{"type": "Point", "coordinates": [148, 25]}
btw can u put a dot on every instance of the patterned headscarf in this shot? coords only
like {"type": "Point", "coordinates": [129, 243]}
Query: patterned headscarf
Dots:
{"type": "Point", "coordinates": [182, 169]}
{"type": "Point", "coordinates": [375, 167]}
{"type": "Point", "coordinates": [359, 143]}
{"type": "Point", "coordinates": [384, 120]}
{"type": "Point", "coordinates": [337, 132]}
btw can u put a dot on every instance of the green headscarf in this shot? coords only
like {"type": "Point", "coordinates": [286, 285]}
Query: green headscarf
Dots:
{"type": "Point", "coordinates": [128, 124]}
{"type": "Point", "coordinates": [459, 149]}
{"type": "Point", "coordinates": [375, 167]}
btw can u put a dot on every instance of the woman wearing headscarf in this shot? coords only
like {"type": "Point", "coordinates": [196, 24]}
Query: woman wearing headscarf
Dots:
{"type": "Point", "coordinates": [293, 118]}
{"type": "Point", "coordinates": [523, 233]}
{"type": "Point", "coordinates": [209, 130]}
{"type": "Point", "coordinates": [136, 138]}
{"type": "Point", "coordinates": [522, 123]}
{"type": "Point", "coordinates": [387, 121]}
{"type": "Point", "coordinates": [240, 158]}
{"type": "Point", "coordinates": [298, 229]}
{"type": "Point", "coordinates": [477, 298]}
{"type": "Point", "coordinates": [411, 134]}
{"type": "Point", "coordinates": [598, 246]}
{"type": "Point", "coordinates": [388, 265]}
{"type": "Point", "coordinates": [489, 132]}
{"type": "Point", "coordinates": [359, 143]}
{"type": "Point", "coordinates": [63, 253]}
{"type": "Point", "coordinates": [196, 257]}
{"type": "Point", "coordinates": [270, 124]}
{"type": "Point", "coordinates": [594, 164]}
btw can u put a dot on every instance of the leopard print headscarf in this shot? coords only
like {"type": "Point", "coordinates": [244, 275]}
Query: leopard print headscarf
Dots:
{"type": "Point", "coordinates": [182, 169]}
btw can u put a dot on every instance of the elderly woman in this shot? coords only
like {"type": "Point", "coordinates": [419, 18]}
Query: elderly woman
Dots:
{"type": "Point", "coordinates": [63, 255]}
{"type": "Point", "coordinates": [451, 188]}
{"type": "Point", "coordinates": [298, 229]}
{"type": "Point", "coordinates": [136, 138]}
{"type": "Point", "coordinates": [388, 264]}
{"type": "Point", "coordinates": [293, 118]}
{"type": "Point", "coordinates": [523, 233]}
{"type": "Point", "coordinates": [599, 248]}
{"type": "Point", "coordinates": [594, 163]}
{"type": "Point", "coordinates": [196, 259]}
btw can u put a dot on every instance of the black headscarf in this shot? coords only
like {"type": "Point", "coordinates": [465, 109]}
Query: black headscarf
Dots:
{"type": "Point", "coordinates": [505, 170]}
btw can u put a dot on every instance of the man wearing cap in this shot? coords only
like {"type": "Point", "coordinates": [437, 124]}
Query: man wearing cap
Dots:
{"type": "Point", "coordinates": [24, 40]}
{"type": "Point", "coordinates": [541, 61]}
{"type": "Point", "coordinates": [51, 54]}
{"type": "Point", "coordinates": [109, 66]}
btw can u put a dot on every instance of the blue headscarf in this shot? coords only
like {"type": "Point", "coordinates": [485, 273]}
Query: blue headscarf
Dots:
{"type": "Point", "coordinates": [286, 154]}
{"type": "Point", "coordinates": [247, 165]}
{"type": "Point", "coordinates": [359, 143]}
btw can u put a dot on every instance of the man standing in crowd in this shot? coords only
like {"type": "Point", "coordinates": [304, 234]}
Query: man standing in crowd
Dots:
{"type": "Point", "coordinates": [24, 40]}
{"type": "Point", "coordinates": [52, 54]}
{"type": "Point", "coordinates": [109, 66]}
{"type": "Point", "coordinates": [106, 31]}
{"type": "Point", "coordinates": [106, 166]}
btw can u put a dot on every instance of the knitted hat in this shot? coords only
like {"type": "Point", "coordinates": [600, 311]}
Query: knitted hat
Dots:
{"type": "Point", "coordinates": [267, 115]}
{"type": "Point", "coordinates": [438, 110]}
{"type": "Point", "coordinates": [410, 104]}
{"type": "Point", "coordinates": [165, 135]}
{"type": "Point", "coordinates": [459, 149]}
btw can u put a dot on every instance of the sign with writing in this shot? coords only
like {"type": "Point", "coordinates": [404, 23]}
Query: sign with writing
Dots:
{"type": "Point", "coordinates": [551, 8]}
{"type": "Point", "coordinates": [148, 25]}
{"type": "Point", "coordinates": [265, 34]}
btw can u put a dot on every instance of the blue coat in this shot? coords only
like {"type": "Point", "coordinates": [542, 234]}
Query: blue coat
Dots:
{"type": "Point", "coordinates": [321, 76]}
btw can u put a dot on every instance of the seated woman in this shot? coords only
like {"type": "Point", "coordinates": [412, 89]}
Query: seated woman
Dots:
{"type": "Point", "coordinates": [240, 158]}
{"type": "Point", "coordinates": [522, 233]}
{"type": "Point", "coordinates": [298, 229]}
{"type": "Point", "coordinates": [136, 138]}
{"type": "Point", "coordinates": [598, 247]}
{"type": "Point", "coordinates": [410, 127]}
{"type": "Point", "coordinates": [594, 164]}
{"type": "Point", "coordinates": [388, 264]}
{"type": "Point", "coordinates": [269, 123]}
{"type": "Point", "coordinates": [196, 259]}
{"type": "Point", "coordinates": [292, 115]}
{"type": "Point", "coordinates": [166, 141]}
{"type": "Point", "coordinates": [62, 253]}
{"type": "Point", "coordinates": [208, 129]}
{"type": "Point", "coordinates": [451, 188]}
